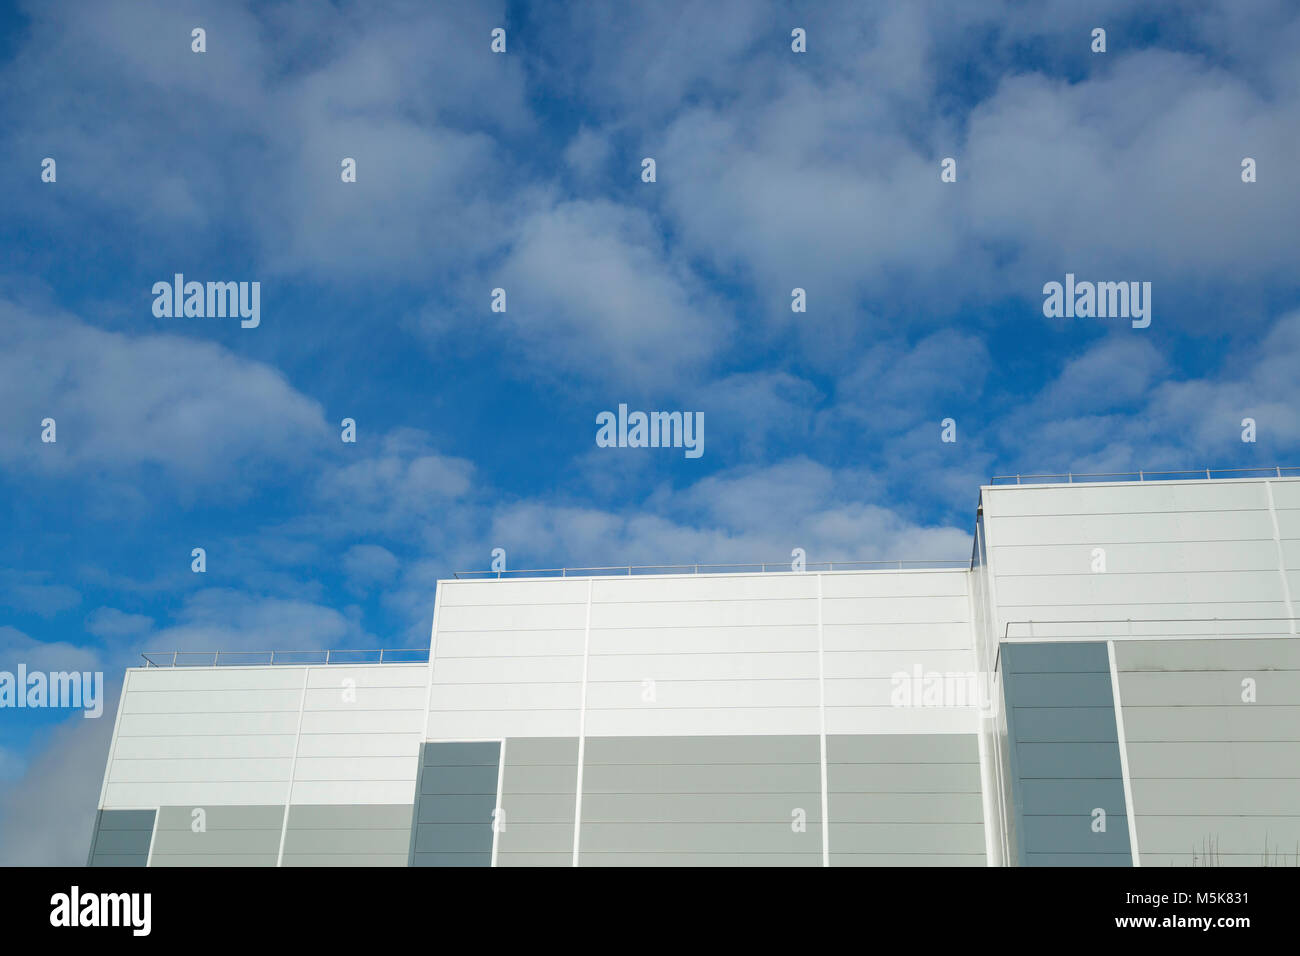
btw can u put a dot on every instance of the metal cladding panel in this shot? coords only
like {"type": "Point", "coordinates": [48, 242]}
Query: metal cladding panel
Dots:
{"type": "Point", "coordinates": [1064, 755]}
{"type": "Point", "coordinates": [696, 800]}
{"type": "Point", "coordinates": [677, 655]}
{"type": "Point", "coordinates": [538, 799]}
{"type": "Point", "coordinates": [456, 795]}
{"type": "Point", "coordinates": [507, 659]}
{"type": "Point", "coordinates": [230, 736]}
{"type": "Point", "coordinates": [214, 835]}
{"type": "Point", "coordinates": [759, 663]}
{"type": "Point", "coordinates": [205, 736]}
{"type": "Point", "coordinates": [1213, 732]}
{"type": "Point", "coordinates": [1144, 551]}
{"type": "Point", "coordinates": [905, 800]}
{"type": "Point", "coordinates": [348, 835]}
{"type": "Point", "coordinates": [121, 838]}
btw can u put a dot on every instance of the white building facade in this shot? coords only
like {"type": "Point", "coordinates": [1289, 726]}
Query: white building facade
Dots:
{"type": "Point", "coordinates": [1113, 679]}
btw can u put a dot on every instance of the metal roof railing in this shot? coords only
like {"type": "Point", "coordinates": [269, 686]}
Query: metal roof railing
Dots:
{"type": "Point", "coordinates": [1277, 471]}
{"type": "Point", "coordinates": [381, 655]}
{"type": "Point", "coordinates": [770, 567]}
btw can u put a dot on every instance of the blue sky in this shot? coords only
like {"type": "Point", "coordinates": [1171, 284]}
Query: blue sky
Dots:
{"type": "Point", "coordinates": [476, 429]}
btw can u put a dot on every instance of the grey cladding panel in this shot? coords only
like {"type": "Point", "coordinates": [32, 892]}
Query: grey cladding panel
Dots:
{"type": "Point", "coordinates": [121, 838]}
{"type": "Point", "coordinates": [682, 801]}
{"type": "Point", "coordinates": [348, 835]}
{"type": "Point", "coordinates": [218, 836]}
{"type": "Point", "coordinates": [1064, 755]}
{"type": "Point", "coordinates": [1215, 779]}
{"type": "Point", "coordinates": [456, 794]}
{"type": "Point", "coordinates": [538, 796]}
{"type": "Point", "coordinates": [905, 800]}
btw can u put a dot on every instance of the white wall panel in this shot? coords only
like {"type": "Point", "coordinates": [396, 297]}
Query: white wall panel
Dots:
{"type": "Point", "coordinates": [902, 720]}
{"type": "Point", "coordinates": [753, 639]}
{"type": "Point", "coordinates": [509, 617]}
{"type": "Point", "coordinates": [928, 635]}
{"type": "Point", "coordinates": [1217, 556]}
{"type": "Point", "coordinates": [227, 701]}
{"type": "Point", "coordinates": [704, 587]}
{"type": "Point", "coordinates": [191, 725]}
{"type": "Point", "coordinates": [728, 653]}
{"type": "Point", "coordinates": [1070, 529]}
{"type": "Point", "coordinates": [362, 744]}
{"type": "Point", "coordinates": [895, 584]}
{"type": "Point", "coordinates": [205, 745]}
{"type": "Point", "coordinates": [507, 659]}
{"type": "Point", "coordinates": [503, 591]}
{"type": "Point", "coordinates": [244, 768]}
{"type": "Point", "coordinates": [520, 643]}
{"type": "Point", "coordinates": [176, 794]}
{"type": "Point", "coordinates": [886, 663]}
{"type": "Point", "coordinates": [1123, 498]}
{"type": "Point", "coordinates": [895, 610]}
{"type": "Point", "coordinates": [1194, 549]}
{"type": "Point", "coordinates": [730, 613]}
{"type": "Point", "coordinates": [361, 725]}
{"type": "Point", "coordinates": [768, 665]}
{"type": "Point", "coordinates": [204, 735]}
{"type": "Point", "coordinates": [1286, 494]}
{"type": "Point", "coordinates": [230, 735]}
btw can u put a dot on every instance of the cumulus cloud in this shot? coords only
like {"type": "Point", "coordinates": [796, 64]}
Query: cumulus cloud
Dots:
{"type": "Point", "coordinates": [33, 591]}
{"type": "Point", "coordinates": [406, 481]}
{"type": "Point", "coordinates": [224, 619]}
{"type": "Point", "coordinates": [593, 289]}
{"type": "Point", "coordinates": [1116, 409]}
{"type": "Point", "coordinates": [109, 622]}
{"type": "Point", "coordinates": [119, 401]}
{"type": "Point", "coordinates": [752, 514]}
{"type": "Point", "coordinates": [46, 656]}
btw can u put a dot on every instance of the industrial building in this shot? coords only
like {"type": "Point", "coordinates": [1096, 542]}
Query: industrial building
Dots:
{"type": "Point", "coordinates": [1112, 679]}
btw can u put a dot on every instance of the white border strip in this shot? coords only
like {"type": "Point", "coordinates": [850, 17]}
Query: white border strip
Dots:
{"type": "Point", "coordinates": [498, 813]}
{"type": "Point", "coordinates": [582, 729]}
{"type": "Point", "coordinates": [153, 837]}
{"type": "Point", "coordinates": [293, 766]}
{"type": "Point", "coordinates": [1130, 812]}
{"type": "Point", "coordinates": [1281, 555]}
{"type": "Point", "coordinates": [821, 708]}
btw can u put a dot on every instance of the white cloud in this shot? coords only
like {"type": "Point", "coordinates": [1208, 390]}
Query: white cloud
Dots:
{"type": "Point", "coordinates": [192, 407]}
{"type": "Point", "coordinates": [405, 483]}
{"type": "Point", "coordinates": [369, 564]}
{"type": "Point", "coordinates": [592, 288]}
{"type": "Point", "coordinates": [45, 656]}
{"type": "Point", "coordinates": [31, 591]}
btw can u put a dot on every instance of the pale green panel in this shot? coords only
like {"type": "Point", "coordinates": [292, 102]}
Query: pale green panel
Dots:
{"type": "Point", "coordinates": [218, 836]}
